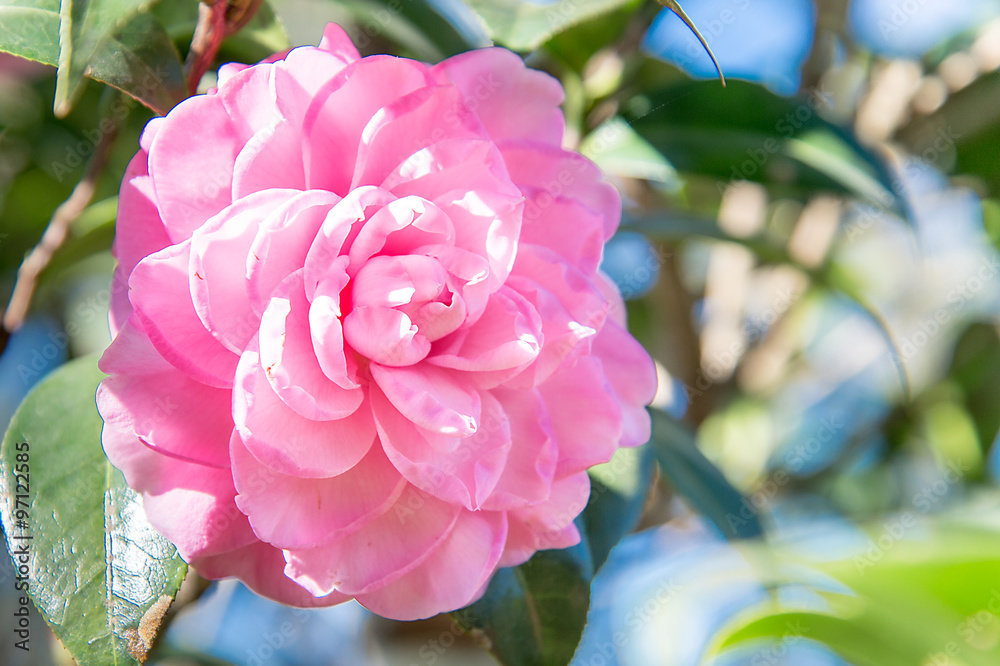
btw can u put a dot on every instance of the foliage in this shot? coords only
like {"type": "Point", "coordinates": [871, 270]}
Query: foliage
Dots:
{"type": "Point", "coordinates": [683, 152]}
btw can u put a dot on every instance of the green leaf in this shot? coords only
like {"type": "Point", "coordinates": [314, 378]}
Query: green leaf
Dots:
{"type": "Point", "coordinates": [138, 59]}
{"type": "Point", "coordinates": [524, 26]}
{"type": "Point", "coordinates": [428, 20]}
{"type": "Point", "coordinates": [534, 614]}
{"type": "Point", "coordinates": [917, 594]}
{"type": "Point", "coordinates": [85, 27]}
{"type": "Point", "coordinates": [99, 573]}
{"type": "Point", "coordinates": [773, 140]}
{"type": "Point", "coordinates": [618, 150]}
{"type": "Point", "coordinates": [699, 481]}
{"type": "Point", "coordinates": [618, 493]}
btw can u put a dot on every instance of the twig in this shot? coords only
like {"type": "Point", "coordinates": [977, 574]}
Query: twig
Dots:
{"type": "Point", "coordinates": [53, 238]}
{"type": "Point", "coordinates": [208, 36]}
{"type": "Point", "coordinates": [217, 19]}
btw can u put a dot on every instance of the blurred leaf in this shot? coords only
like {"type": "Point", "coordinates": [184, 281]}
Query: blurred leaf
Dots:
{"type": "Point", "coordinates": [618, 493]}
{"type": "Point", "coordinates": [928, 600]}
{"type": "Point", "coordinates": [964, 133]}
{"type": "Point", "coordinates": [618, 150]}
{"type": "Point", "coordinates": [975, 367]}
{"type": "Point", "coordinates": [524, 26]}
{"type": "Point", "coordinates": [534, 614]}
{"type": "Point", "coordinates": [100, 574]}
{"type": "Point", "coordinates": [426, 18]}
{"type": "Point", "coordinates": [138, 59]}
{"type": "Point", "coordinates": [86, 27]}
{"type": "Point", "coordinates": [773, 140]}
{"type": "Point", "coordinates": [700, 482]}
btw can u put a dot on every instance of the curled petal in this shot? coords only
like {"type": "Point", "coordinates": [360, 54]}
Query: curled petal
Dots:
{"type": "Point", "coordinates": [293, 512]}
{"type": "Point", "coordinates": [385, 549]}
{"type": "Point", "coordinates": [453, 576]}
{"type": "Point", "coordinates": [286, 441]}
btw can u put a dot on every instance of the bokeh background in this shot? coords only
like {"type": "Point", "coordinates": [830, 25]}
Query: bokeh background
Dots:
{"type": "Point", "coordinates": [809, 253]}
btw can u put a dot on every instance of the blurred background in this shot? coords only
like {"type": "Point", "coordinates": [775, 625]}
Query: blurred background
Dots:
{"type": "Point", "coordinates": [809, 253]}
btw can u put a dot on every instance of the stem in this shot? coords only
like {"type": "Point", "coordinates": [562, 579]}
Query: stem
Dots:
{"type": "Point", "coordinates": [208, 36]}
{"type": "Point", "coordinates": [53, 238]}
{"type": "Point", "coordinates": [217, 19]}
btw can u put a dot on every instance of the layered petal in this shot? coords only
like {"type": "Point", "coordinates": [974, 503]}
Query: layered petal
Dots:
{"type": "Point", "coordinates": [288, 442]}
{"type": "Point", "coordinates": [453, 576]}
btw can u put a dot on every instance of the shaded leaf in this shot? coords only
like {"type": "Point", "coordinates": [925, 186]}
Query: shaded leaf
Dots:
{"type": "Point", "coordinates": [618, 493]}
{"type": "Point", "coordinates": [618, 150]}
{"type": "Point", "coordinates": [700, 482]}
{"type": "Point", "coordinates": [534, 614]}
{"type": "Point", "coordinates": [140, 60]}
{"type": "Point", "coordinates": [426, 17]}
{"type": "Point", "coordinates": [99, 574]}
{"type": "Point", "coordinates": [778, 141]}
{"type": "Point", "coordinates": [85, 28]}
{"type": "Point", "coordinates": [524, 26]}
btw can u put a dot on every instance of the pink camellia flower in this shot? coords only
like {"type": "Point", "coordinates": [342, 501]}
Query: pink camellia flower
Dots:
{"type": "Point", "coordinates": [365, 350]}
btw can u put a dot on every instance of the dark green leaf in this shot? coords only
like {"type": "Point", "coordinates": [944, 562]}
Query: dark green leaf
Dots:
{"type": "Point", "coordinates": [773, 140]}
{"type": "Point", "coordinates": [534, 614]}
{"type": "Point", "coordinates": [138, 59]}
{"type": "Point", "coordinates": [99, 574]}
{"type": "Point", "coordinates": [429, 21]}
{"type": "Point", "coordinates": [524, 26]}
{"type": "Point", "coordinates": [85, 28]}
{"type": "Point", "coordinates": [700, 482]}
{"type": "Point", "coordinates": [618, 494]}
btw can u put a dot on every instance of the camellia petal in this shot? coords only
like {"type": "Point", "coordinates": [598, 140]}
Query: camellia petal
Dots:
{"type": "Point", "coordinates": [363, 348]}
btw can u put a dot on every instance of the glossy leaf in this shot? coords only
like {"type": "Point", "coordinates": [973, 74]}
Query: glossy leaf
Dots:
{"type": "Point", "coordinates": [618, 494]}
{"type": "Point", "coordinates": [137, 58]}
{"type": "Point", "coordinates": [524, 26]}
{"type": "Point", "coordinates": [534, 614]}
{"type": "Point", "coordinates": [700, 482]}
{"type": "Point", "coordinates": [99, 574]}
{"type": "Point", "coordinates": [781, 142]}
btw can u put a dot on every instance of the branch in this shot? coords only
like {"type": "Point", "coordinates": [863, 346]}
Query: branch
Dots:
{"type": "Point", "coordinates": [53, 238]}
{"type": "Point", "coordinates": [217, 19]}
